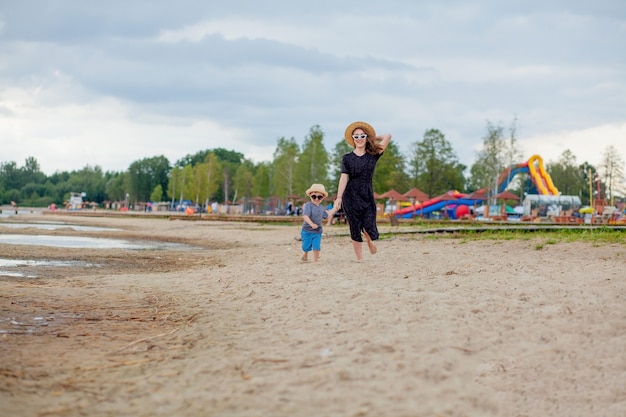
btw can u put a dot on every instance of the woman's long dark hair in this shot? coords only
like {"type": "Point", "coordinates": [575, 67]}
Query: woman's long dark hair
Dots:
{"type": "Point", "coordinates": [372, 146]}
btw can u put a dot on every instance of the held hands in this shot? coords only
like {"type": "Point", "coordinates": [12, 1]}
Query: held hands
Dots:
{"type": "Point", "coordinates": [331, 212]}
{"type": "Point", "coordinates": [336, 205]}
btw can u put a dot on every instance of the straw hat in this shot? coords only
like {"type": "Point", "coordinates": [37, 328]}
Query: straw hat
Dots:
{"type": "Point", "coordinates": [367, 128]}
{"type": "Point", "coordinates": [317, 188]}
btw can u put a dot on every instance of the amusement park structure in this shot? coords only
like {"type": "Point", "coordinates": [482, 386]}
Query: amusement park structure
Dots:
{"type": "Point", "coordinates": [538, 174]}
{"type": "Point", "coordinates": [455, 204]}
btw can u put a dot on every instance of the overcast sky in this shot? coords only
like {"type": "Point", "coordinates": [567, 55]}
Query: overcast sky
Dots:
{"type": "Point", "coordinates": [110, 82]}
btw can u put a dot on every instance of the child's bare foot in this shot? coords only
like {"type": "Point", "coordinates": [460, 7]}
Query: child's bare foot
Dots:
{"type": "Point", "coordinates": [304, 257]}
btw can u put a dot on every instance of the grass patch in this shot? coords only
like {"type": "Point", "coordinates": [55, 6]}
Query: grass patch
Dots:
{"type": "Point", "coordinates": [597, 236]}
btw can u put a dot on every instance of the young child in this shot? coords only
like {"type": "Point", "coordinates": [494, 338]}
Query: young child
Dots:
{"type": "Point", "coordinates": [313, 213]}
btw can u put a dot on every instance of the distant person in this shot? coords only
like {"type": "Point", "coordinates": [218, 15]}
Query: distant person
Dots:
{"type": "Point", "coordinates": [355, 193]}
{"type": "Point", "coordinates": [543, 211]}
{"type": "Point", "coordinates": [313, 214]}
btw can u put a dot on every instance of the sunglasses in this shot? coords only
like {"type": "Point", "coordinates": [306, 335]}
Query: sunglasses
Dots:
{"type": "Point", "coordinates": [361, 136]}
{"type": "Point", "coordinates": [317, 197]}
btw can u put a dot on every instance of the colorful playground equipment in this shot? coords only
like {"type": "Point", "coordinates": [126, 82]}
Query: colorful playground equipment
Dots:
{"type": "Point", "coordinates": [453, 203]}
{"type": "Point", "coordinates": [456, 205]}
{"type": "Point", "coordinates": [538, 174]}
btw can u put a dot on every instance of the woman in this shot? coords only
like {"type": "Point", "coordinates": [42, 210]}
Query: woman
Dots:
{"type": "Point", "coordinates": [355, 192]}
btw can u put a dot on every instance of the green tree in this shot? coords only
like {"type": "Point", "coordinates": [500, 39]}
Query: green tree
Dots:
{"type": "Point", "coordinates": [244, 181]}
{"type": "Point", "coordinates": [115, 186]}
{"type": "Point", "coordinates": [284, 164]}
{"type": "Point", "coordinates": [145, 174]}
{"type": "Point", "coordinates": [390, 171]}
{"type": "Point", "coordinates": [341, 148]}
{"type": "Point", "coordinates": [498, 152]}
{"type": "Point", "coordinates": [566, 174]}
{"type": "Point", "coordinates": [214, 176]}
{"type": "Point", "coordinates": [312, 164]}
{"type": "Point", "coordinates": [14, 179]}
{"type": "Point", "coordinates": [181, 184]}
{"type": "Point", "coordinates": [200, 182]}
{"type": "Point", "coordinates": [89, 180]}
{"type": "Point", "coordinates": [32, 172]}
{"type": "Point", "coordinates": [176, 184]}
{"type": "Point", "coordinates": [229, 162]}
{"type": "Point", "coordinates": [434, 166]}
{"type": "Point", "coordinates": [262, 180]}
{"type": "Point", "coordinates": [188, 187]}
{"type": "Point", "coordinates": [612, 169]}
{"type": "Point", "coordinates": [157, 194]}
{"type": "Point", "coordinates": [10, 176]}
{"type": "Point", "coordinates": [589, 173]}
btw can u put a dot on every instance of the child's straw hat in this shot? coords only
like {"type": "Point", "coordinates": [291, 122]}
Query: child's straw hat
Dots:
{"type": "Point", "coordinates": [317, 188]}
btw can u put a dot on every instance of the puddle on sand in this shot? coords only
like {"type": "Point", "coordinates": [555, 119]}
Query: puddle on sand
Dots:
{"type": "Point", "coordinates": [86, 242]}
{"type": "Point", "coordinates": [14, 263]}
{"type": "Point", "coordinates": [21, 264]}
{"type": "Point", "coordinates": [15, 274]}
{"type": "Point", "coordinates": [24, 324]}
{"type": "Point", "coordinates": [55, 226]}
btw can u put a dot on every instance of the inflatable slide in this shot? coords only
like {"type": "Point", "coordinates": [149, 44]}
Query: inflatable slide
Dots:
{"type": "Point", "coordinates": [538, 175]}
{"type": "Point", "coordinates": [438, 204]}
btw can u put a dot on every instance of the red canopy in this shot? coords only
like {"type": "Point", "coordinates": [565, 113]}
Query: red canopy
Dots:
{"type": "Point", "coordinates": [477, 195]}
{"type": "Point", "coordinates": [417, 194]}
{"type": "Point", "coordinates": [506, 195]}
{"type": "Point", "coordinates": [394, 195]}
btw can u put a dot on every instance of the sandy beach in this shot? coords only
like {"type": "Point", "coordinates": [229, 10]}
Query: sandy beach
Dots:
{"type": "Point", "coordinates": [236, 325]}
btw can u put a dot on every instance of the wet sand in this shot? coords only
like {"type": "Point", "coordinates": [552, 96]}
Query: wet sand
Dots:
{"type": "Point", "coordinates": [240, 327]}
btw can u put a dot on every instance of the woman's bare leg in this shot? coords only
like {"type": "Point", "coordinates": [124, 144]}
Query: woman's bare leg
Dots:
{"type": "Point", "coordinates": [370, 243]}
{"type": "Point", "coordinates": [358, 250]}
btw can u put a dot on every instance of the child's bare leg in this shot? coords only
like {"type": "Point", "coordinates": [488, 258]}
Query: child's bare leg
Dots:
{"type": "Point", "coordinates": [305, 257]}
{"type": "Point", "coordinates": [370, 243]}
{"type": "Point", "coordinates": [316, 255]}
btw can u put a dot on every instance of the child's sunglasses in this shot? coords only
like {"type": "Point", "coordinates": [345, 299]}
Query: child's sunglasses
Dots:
{"type": "Point", "coordinates": [317, 197]}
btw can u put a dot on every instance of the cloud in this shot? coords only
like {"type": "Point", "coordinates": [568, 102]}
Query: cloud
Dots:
{"type": "Point", "coordinates": [244, 74]}
{"type": "Point", "coordinates": [588, 145]}
{"type": "Point", "coordinates": [105, 132]}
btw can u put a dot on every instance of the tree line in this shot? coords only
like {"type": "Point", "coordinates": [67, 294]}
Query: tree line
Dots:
{"type": "Point", "coordinates": [226, 176]}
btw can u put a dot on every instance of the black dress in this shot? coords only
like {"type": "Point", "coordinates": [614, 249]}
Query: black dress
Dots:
{"type": "Point", "coordinates": [358, 198]}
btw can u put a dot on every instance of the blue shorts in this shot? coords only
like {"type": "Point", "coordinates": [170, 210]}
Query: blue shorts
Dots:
{"type": "Point", "coordinates": [311, 241]}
